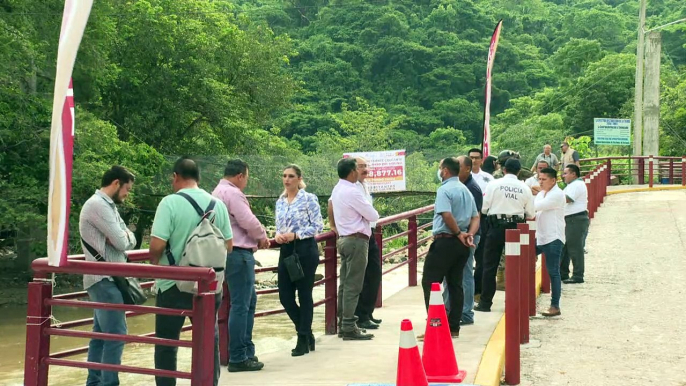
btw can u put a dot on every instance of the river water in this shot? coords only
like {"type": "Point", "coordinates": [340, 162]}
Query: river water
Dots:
{"type": "Point", "coordinates": [271, 333]}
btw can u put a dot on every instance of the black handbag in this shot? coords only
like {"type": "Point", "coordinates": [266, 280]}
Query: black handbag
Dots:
{"type": "Point", "coordinates": [130, 288]}
{"type": "Point", "coordinates": [292, 263]}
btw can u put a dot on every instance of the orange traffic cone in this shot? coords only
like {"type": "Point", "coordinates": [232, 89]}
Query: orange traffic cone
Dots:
{"type": "Point", "coordinates": [439, 356]}
{"type": "Point", "coordinates": [410, 370]}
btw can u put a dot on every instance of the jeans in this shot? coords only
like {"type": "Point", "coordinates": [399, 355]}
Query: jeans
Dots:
{"type": "Point", "coordinates": [467, 286]}
{"type": "Point", "coordinates": [553, 254]}
{"type": "Point", "coordinates": [353, 253]}
{"type": "Point", "coordinates": [300, 314]}
{"type": "Point", "coordinates": [169, 327]}
{"type": "Point", "coordinates": [372, 281]}
{"type": "Point", "coordinates": [446, 259]}
{"type": "Point", "coordinates": [240, 277]}
{"type": "Point", "coordinates": [576, 227]}
{"type": "Point", "coordinates": [109, 322]}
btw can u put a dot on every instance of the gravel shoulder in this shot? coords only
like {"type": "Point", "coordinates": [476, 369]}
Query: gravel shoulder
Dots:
{"type": "Point", "coordinates": [626, 324]}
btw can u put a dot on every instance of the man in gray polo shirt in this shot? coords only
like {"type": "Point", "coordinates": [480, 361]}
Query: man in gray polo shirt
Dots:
{"type": "Point", "coordinates": [105, 233]}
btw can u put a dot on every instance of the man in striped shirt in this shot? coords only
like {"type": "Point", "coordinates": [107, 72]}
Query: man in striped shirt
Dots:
{"type": "Point", "coordinates": [105, 232]}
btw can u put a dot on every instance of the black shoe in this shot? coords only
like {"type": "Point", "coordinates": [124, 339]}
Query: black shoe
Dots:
{"type": "Point", "coordinates": [573, 280]}
{"type": "Point", "coordinates": [454, 333]}
{"type": "Point", "coordinates": [377, 321]}
{"type": "Point", "coordinates": [465, 323]}
{"type": "Point", "coordinates": [302, 347]}
{"type": "Point", "coordinates": [356, 335]}
{"type": "Point", "coordinates": [367, 324]}
{"type": "Point", "coordinates": [246, 365]}
{"type": "Point", "coordinates": [482, 308]}
{"type": "Point", "coordinates": [310, 341]}
{"type": "Point", "coordinates": [254, 359]}
{"type": "Point", "coordinates": [340, 332]}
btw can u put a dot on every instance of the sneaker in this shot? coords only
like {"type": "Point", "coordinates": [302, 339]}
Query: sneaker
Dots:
{"type": "Point", "coordinates": [246, 365]}
{"type": "Point", "coordinates": [356, 335]}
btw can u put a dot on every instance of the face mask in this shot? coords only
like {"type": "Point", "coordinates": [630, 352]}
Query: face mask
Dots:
{"type": "Point", "coordinates": [438, 174]}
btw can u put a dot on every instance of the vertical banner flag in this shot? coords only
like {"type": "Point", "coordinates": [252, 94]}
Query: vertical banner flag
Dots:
{"type": "Point", "coordinates": [74, 19]}
{"type": "Point", "coordinates": [487, 106]}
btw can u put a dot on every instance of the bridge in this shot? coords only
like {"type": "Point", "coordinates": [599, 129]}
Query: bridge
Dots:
{"type": "Point", "coordinates": [617, 254]}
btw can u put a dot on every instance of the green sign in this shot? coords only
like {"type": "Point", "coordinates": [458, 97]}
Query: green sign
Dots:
{"type": "Point", "coordinates": [609, 131]}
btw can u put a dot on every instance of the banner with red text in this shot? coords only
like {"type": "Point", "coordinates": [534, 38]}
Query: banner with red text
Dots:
{"type": "Point", "coordinates": [386, 170]}
{"type": "Point", "coordinates": [487, 105]}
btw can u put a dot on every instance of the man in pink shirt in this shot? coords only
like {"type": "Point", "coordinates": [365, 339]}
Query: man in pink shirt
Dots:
{"type": "Point", "coordinates": [248, 235]}
{"type": "Point", "coordinates": [353, 215]}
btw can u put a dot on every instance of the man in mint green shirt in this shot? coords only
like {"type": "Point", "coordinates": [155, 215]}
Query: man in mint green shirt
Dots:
{"type": "Point", "coordinates": [175, 219]}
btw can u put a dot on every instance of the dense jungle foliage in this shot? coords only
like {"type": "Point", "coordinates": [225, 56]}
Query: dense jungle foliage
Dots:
{"type": "Point", "coordinates": [278, 81]}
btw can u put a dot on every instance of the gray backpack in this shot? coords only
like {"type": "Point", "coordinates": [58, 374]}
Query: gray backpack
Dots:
{"type": "Point", "coordinates": [205, 247]}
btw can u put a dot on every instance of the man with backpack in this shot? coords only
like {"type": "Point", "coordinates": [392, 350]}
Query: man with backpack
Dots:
{"type": "Point", "coordinates": [176, 240]}
{"type": "Point", "coordinates": [240, 265]}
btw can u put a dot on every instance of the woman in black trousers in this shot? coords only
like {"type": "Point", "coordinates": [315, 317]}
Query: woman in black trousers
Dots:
{"type": "Point", "coordinates": [298, 221]}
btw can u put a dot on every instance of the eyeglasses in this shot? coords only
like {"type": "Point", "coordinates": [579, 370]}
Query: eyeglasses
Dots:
{"type": "Point", "coordinates": [289, 176]}
{"type": "Point", "coordinates": [361, 166]}
{"type": "Point", "coordinates": [475, 157]}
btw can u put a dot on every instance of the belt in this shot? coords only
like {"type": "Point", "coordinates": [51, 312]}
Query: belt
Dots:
{"type": "Point", "coordinates": [445, 236]}
{"type": "Point", "coordinates": [358, 235]}
{"type": "Point", "coordinates": [584, 213]}
{"type": "Point", "coordinates": [244, 249]}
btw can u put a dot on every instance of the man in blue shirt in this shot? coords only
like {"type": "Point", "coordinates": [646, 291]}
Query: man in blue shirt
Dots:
{"type": "Point", "coordinates": [456, 220]}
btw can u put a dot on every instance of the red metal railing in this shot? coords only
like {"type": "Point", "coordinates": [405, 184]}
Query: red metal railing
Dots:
{"type": "Point", "coordinates": [39, 330]}
{"type": "Point", "coordinates": [661, 170]}
{"type": "Point", "coordinates": [41, 300]}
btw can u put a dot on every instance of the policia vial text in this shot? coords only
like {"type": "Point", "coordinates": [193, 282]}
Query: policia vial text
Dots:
{"type": "Point", "coordinates": [511, 191]}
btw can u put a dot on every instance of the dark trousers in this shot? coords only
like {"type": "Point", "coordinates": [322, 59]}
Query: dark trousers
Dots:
{"type": "Point", "coordinates": [494, 249]}
{"type": "Point", "coordinates": [372, 281]}
{"type": "Point", "coordinates": [576, 228]}
{"type": "Point", "coordinates": [479, 257]}
{"type": "Point", "coordinates": [169, 327]}
{"type": "Point", "coordinates": [446, 259]}
{"type": "Point", "coordinates": [301, 315]}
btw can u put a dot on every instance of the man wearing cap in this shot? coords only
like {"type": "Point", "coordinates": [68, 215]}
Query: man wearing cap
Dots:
{"type": "Point", "coordinates": [456, 220]}
{"type": "Point", "coordinates": [507, 202]}
{"type": "Point", "coordinates": [569, 156]}
{"type": "Point", "coordinates": [505, 155]}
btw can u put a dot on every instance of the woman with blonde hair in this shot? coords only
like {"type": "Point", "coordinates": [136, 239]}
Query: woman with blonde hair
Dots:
{"type": "Point", "coordinates": [298, 221]}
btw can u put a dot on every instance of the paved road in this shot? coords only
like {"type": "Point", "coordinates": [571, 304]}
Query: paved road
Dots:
{"type": "Point", "coordinates": [625, 325]}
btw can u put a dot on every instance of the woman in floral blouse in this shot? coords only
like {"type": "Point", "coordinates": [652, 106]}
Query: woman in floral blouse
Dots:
{"type": "Point", "coordinates": [298, 220]}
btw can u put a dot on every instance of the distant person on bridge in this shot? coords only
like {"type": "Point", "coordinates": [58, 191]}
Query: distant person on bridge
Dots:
{"type": "Point", "coordinates": [455, 222]}
{"type": "Point", "coordinates": [569, 156]}
{"type": "Point", "coordinates": [240, 265]}
{"type": "Point", "coordinates": [354, 213]}
{"type": "Point", "coordinates": [490, 165]}
{"type": "Point", "coordinates": [298, 221]}
{"type": "Point", "coordinates": [577, 222]}
{"type": "Point", "coordinates": [550, 232]}
{"type": "Point", "coordinates": [104, 235]}
{"type": "Point", "coordinates": [507, 202]}
{"type": "Point", "coordinates": [372, 274]}
{"type": "Point", "coordinates": [175, 220]}
{"type": "Point", "coordinates": [548, 156]}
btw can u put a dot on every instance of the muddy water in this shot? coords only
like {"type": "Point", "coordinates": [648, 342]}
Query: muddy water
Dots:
{"type": "Point", "coordinates": [272, 333]}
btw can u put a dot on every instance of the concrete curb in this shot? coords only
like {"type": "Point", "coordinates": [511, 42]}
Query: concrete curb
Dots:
{"type": "Point", "coordinates": [492, 362]}
{"type": "Point", "coordinates": [653, 189]}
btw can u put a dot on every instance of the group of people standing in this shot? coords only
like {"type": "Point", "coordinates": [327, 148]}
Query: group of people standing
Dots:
{"type": "Point", "coordinates": [298, 218]}
{"type": "Point", "coordinates": [473, 211]}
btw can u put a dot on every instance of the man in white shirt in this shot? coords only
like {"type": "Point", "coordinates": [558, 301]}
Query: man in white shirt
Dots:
{"type": "Point", "coordinates": [481, 177]}
{"type": "Point", "coordinates": [507, 202]}
{"type": "Point", "coordinates": [353, 216]}
{"type": "Point", "coordinates": [577, 222]}
{"type": "Point", "coordinates": [532, 181]}
{"type": "Point", "coordinates": [550, 232]}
